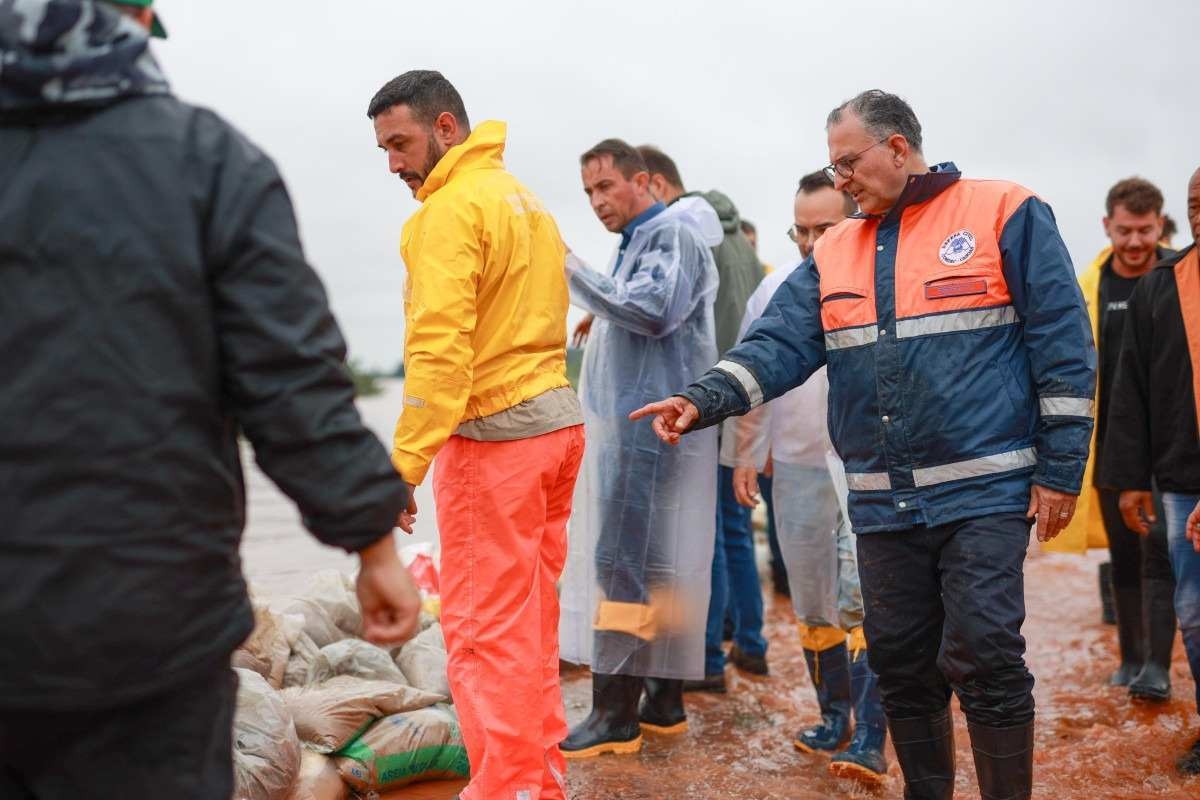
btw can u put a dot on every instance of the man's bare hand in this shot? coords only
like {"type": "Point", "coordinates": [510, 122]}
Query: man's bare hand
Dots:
{"type": "Point", "coordinates": [582, 331]}
{"type": "Point", "coordinates": [1053, 511]}
{"type": "Point", "coordinates": [1192, 530]}
{"type": "Point", "coordinates": [390, 601]}
{"type": "Point", "coordinates": [672, 417]}
{"type": "Point", "coordinates": [745, 486]}
{"type": "Point", "coordinates": [409, 515]}
{"type": "Point", "coordinates": [1137, 511]}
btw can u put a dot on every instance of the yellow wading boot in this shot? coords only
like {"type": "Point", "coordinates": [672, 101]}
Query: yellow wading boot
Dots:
{"type": "Point", "coordinates": [662, 710]}
{"type": "Point", "coordinates": [612, 726]}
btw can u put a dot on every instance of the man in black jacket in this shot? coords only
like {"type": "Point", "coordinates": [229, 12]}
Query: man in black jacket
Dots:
{"type": "Point", "coordinates": [154, 302]}
{"type": "Point", "coordinates": [1154, 425]}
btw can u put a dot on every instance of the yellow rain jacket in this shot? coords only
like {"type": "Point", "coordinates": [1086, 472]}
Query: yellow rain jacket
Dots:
{"type": "Point", "coordinates": [486, 301]}
{"type": "Point", "coordinates": [1087, 526]}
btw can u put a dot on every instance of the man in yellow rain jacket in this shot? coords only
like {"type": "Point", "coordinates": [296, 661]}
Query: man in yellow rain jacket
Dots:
{"type": "Point", "coordinates": [1142, 584]}
{"type": "Point", "coordinates": [486, 391]}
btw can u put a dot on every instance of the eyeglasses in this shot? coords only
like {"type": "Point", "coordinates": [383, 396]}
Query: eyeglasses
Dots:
{"type": "Point", "coordinates": [791, 231]}
{"type": "Point", "coordinates": [845, 166]}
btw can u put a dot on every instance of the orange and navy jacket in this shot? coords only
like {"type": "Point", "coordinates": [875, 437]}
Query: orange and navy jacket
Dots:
{"type": "Point", "coordinates": [961, 361]}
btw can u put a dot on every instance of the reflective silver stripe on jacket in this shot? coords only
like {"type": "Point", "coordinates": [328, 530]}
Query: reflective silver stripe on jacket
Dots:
{"type": "Point", "coordinates": [745, 377]}
{"type": "Point", "coordinates": [1067, 407]}
{"type": "Point", "coordinates": [868, 481]}
{"type": "Point", "coordinates": [956, 322]}
{"type": "Point", "coordinates": [851, 337]}
{"type": "Point", "coordinates": [975, 467]}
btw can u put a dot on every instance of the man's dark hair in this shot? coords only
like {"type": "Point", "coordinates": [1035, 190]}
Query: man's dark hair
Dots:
{"type": "Point", "coordinates": [1169, 228]}
{"type": "Point", "coordinates": [659, 163]}
{"type": "Point", "coordinates": [625, 157]}
{"type": "Point", "coordinates": [1138, 195]}
{"type": "Point", "coordinates": [426, 92]}
{"type": "Point", "coordinates": [748, 227]}
{"type": "Point", "coordinates": [882, 114]}
{"type": "Point", "coordinates": [816, 181]}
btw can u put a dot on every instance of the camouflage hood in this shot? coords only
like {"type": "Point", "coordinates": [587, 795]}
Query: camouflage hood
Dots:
{"type": "Point", "coordinates": [66, 54]}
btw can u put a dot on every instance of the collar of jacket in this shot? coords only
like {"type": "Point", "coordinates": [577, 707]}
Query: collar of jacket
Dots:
{"type": "Point", "coordinates": [1172, 257]}
{"type": "Point", "coordinates": [483, 149]}
{"type": "Point", "coordinates": [919, 189]}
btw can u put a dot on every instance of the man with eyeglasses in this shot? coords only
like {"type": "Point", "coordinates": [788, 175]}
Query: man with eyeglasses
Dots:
{"type": "Point", "coordinates": [961, 376]}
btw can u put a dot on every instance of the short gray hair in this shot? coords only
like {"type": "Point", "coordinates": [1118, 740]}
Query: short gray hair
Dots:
{"type": "Point", "coordinates": [882, 114]}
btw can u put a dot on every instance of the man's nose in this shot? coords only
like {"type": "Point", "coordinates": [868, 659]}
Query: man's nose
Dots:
{"type": "Point", "coordinates": [395, 163]}
{"type": "Point", "coordinates": [839, 182]}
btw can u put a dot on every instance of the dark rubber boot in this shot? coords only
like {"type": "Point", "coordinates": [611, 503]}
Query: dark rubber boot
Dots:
{"type": "Point", "coordinates": [1130, 635]}
{"type": "Point", "coordinates": [1003, 761]}
{"type": "Point", "coordinates": [1108, 609]}
{"type": "Point", "coordinates": [1153, 683]}
{"type": "Point", "coordinates": [612, 726]}
{"type": "Point", "coordinates": [925, 749]}
{"type": "Point", "coordinates": [863, 760]}
{"type": "Point", "coordinates": [830, 673]}
{"type": "Point", "coordinates": [661, 710]}
{"type": "Point", "coordinates": [1189, 763]}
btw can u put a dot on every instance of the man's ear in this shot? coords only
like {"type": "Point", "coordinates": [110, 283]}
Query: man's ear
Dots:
{"type": "Point", "coordinates": [642, 180]}
{"type": "Point", "coordinates": [900, 149]}
{"type": "Point", "coordinates": [446, 129]}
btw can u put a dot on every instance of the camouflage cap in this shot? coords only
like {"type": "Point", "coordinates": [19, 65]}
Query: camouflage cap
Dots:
{"type": "Point", "coordinates": [156, 28]}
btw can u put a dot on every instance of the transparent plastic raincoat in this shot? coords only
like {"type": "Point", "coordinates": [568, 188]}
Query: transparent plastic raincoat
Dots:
{"type": "Point", "coordinates": [636, 585]}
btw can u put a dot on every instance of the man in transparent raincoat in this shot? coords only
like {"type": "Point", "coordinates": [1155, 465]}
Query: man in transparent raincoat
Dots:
{"type": "Point", "coordinates": [635, 590]}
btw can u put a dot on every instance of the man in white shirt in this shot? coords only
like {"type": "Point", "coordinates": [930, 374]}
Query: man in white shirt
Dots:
{"type": "Point", "coordinates": [814, 535]}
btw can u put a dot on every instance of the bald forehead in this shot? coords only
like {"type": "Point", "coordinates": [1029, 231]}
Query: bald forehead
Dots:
{"type": "Point", "coordinates": [1195, 181]}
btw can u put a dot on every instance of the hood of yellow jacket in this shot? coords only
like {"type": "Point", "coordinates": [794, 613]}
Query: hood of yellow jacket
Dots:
{"type": "Point", "coordinates": [483, 149]}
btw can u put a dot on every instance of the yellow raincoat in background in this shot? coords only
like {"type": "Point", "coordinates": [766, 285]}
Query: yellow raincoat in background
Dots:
{"type": "Point", "coordinates": [1087, 526]}
{"type": "Point", "coordinates": [470, 350]}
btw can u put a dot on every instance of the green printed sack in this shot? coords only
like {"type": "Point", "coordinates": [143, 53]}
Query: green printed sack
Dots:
{"type": "Point", "coordinates": [406, 748]}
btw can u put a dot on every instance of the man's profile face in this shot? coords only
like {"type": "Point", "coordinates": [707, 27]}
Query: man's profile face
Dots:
{"type": "Point", "coordinates": [1134, 237]}
{"type": "Point", "coordinates": [615, 198]}
{"type": "Point", "coordinates": [815, 213]}
{"type": "Point", "coordinates": [880, 171]}
{"type": "Point", "coordinates": [1194, 205]}
{"type": "Point", "coordinates": [412, 149]}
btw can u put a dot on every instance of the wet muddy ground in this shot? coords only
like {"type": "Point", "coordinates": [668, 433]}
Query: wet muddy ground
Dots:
{"type": "Point", "coordinates": [1093, 743]}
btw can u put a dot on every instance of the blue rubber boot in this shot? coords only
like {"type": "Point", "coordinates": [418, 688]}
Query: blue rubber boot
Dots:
{"type": "Point", "coordinates": [830, 672]}
{"type": "Point", "coordinates": [863, 760]}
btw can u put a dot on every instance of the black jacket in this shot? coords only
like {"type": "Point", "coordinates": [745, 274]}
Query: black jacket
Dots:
{"type": "Point", "coordinates": [154, 301]}
{"type": "Point", "coordinates": [1152, 431]}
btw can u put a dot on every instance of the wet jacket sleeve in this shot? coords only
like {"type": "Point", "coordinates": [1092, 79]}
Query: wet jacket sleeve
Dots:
{"type": "Point", "coordinates": [1058, 339]}
{"type": "Point", "coordinates": [746, 440]}
{"type": "Point", "coordinates": [659, 294]}
{"type": "Point", "coordinates": [778, 353]}
{"type": "Point", "coordinates": [1128, 463]}
{"type": "Point", "coordinates": [439, 353]}
{"type": "Point", "coordinates": [283, 359]}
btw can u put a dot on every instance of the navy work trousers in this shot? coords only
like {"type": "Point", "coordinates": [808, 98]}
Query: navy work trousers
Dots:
{"type": "Point", "coordinates": [944, 609]}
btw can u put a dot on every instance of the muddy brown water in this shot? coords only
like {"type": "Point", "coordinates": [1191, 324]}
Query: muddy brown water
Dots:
{"type": "Point", "coordinates": [1092, 742]}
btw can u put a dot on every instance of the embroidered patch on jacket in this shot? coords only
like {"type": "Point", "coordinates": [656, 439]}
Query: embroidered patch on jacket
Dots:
{"type": "Point", "coordinates": [958, 247]}
{"type": "Point", "coordinates": [959, 288]}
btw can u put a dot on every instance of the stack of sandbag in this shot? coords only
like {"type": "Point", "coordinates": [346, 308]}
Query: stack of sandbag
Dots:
{"type": "Point", "coordinates": [405, 748]}
{"type": "Point", "coordinates": [350, 715]}
{"type": "Point", "coordinates": [423, 661]}
{"type": "Point", "coordinates": [330, 715]}
{"type": "Point", "coordinates": [266, 749]}
{"type": "Point", "coordinates": [359, 659]}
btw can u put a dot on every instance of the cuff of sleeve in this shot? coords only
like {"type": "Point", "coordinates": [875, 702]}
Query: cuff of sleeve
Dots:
{"type": "Point", "coordinates": [411, 468]}
{"type": "Point", "coordinates": [1054, 478]}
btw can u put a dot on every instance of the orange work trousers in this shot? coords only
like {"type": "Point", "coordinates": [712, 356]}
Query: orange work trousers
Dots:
{"type": "Point", "coordinates": [502, 511]}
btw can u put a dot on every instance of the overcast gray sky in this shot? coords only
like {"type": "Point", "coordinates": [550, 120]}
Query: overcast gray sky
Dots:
{"type": "Point", "coordinates": [1064, 97]}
